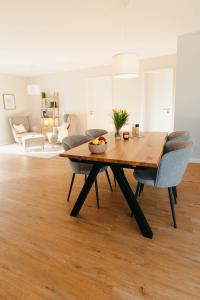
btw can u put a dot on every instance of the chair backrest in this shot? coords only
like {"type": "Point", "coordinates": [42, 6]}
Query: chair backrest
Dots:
{"type": "Point", "coordinates": [179, 136]}
{"type": "Point", "coordinates": [17, 120]}
{"type": "Point", "coordinates": [173, 164]}
{"type": "Point", "coordinates": [94, 133]}
{"type": "Point", "coordinates": [72, 142]}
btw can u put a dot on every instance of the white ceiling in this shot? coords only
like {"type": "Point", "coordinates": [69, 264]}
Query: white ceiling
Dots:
{"type": "Point", "coordinates": [43, 36]}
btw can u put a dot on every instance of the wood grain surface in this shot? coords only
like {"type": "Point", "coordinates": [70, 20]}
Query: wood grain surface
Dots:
{"type": "Point", "coordinates": [143, 151]}
{"type": "Point", "coordinates": [46, 254]}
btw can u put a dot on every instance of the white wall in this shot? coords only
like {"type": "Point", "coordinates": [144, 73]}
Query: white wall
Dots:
{"type": "Point", "coordinates": [187, 102]}
{"type": "Point", "coordinates": [11, 84]}
{"type": "Point", "coordinates": [71, 86]}
{"type": "Point", "coordinates": [127, 94]}
{"type": "Point", "coordinates": [72, 89]}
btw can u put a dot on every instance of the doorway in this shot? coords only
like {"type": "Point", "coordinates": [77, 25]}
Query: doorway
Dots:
{"type": "Point", "coordinates": [99, 102]}
{"type": "Point", "coordinates": [159, 100]}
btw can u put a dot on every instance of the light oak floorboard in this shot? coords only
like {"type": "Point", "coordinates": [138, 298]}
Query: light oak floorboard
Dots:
{"type": "Point", "coordinates": [46, 254]}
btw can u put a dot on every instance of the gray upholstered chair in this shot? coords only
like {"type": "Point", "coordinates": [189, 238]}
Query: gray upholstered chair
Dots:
{"type": "Point", "coordinates": [169, 173]}
{"type": "Point", "coordinates": [94, 133]}
{"type": "Point", "coordinates": [179, 136]}
{"type": "Point", "coordinates": [82, 168]}
{"type": "Point", "coordinates": [176, 136]}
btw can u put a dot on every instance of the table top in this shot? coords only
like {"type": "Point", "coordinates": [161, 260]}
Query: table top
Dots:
{"type": "Point", "coordinates": [145, 150]}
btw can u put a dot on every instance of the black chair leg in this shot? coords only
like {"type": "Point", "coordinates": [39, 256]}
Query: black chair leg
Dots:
{"type": "Point", "coordinates": [141, 189]}
{"type": "Point", "coordinates": [85, 177]}
{"type": "Point", "coordinates": [137, 193]}
{"type": "Point", "coordinates": [174, 194]}
{"type": "Point", "coordinates": [115, 181]}
{"type": "Point", "coordinates": [71, 185]}
{"type": "Point", "coordinates": [171, 198]}
{"type": "Point", "coordinates": [97, 192]}
{"type": "Point", "coordinates": [108, 178]}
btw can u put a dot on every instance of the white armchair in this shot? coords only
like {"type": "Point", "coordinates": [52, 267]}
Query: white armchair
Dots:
{"type": "Point", "coordinates": [21, 120]}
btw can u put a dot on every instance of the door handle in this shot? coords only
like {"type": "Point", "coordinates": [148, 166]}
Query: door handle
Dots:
{"type": "Point", "coordinates": [167, 110]}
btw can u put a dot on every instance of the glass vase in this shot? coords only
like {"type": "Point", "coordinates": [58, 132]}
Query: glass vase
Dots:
{"type": "Point", "coordinates": [117, 134]}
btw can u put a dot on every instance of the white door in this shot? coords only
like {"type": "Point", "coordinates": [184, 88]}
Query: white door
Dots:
{"type": "Point", "coordinates": [99, 102]}
{"type": "Point", "coordinates": [158, 110]}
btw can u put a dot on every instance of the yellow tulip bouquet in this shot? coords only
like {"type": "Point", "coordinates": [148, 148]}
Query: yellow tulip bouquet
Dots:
{"type": "Point", "coordinates": [120, 118]}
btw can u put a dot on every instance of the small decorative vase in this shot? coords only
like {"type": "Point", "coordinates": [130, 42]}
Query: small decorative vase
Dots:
{"type": "Point", "coordinates": [117, 135]}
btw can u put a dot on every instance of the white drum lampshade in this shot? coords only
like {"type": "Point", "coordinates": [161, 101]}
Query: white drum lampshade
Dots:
{"type": "Point", "coordinates": [33, 89]}
{"type": "Point", "coordinates": [125, 65]}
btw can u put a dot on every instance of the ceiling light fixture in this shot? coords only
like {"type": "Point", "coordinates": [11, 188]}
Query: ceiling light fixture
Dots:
{"type": "Point", "coordinates": [125, 64]}
{"type": "Point", "coordinates": [33, 89]}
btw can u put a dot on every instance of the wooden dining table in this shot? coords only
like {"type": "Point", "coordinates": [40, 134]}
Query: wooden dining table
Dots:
{"type": "Point", "coordinates": [143, 151]}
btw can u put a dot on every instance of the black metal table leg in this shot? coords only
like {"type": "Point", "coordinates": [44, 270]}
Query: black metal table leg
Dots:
{"type": "Point", "coordinates": [132, 202]}
{"type": "Point", "coordinates": [136, 193]}
{"type": "Point", "coordinates": [86, 188]}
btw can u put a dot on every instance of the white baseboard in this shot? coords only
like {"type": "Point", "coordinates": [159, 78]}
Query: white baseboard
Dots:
{"type": "Point", "coordinates": [195, 160]}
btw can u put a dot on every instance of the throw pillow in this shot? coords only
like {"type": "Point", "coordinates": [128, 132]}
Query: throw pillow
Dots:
{"type": "Point", "coordinates": [62, 133]}
{"type": "Point", "coordinates": [19, 128]}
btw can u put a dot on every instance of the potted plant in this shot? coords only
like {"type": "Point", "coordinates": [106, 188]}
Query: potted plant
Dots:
{"type": "Point", "coordinates": [43, 95]}
{"type": "Point", "coordinates": [120, 118]}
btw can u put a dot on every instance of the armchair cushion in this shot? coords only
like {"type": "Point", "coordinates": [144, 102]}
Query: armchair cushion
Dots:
{"type": "Point", "coordinates": [19, 128]}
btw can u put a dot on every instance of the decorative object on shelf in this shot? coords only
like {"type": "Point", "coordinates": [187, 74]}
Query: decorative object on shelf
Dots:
{"type": "Point", "coordinates": [33, 89]}
{"type": "Point", "coordinates": [98, 145]}
{"type": "Point", "coordinates": [9, 101]}
{"type": "Point", "coordinates": [44, 112]}
{"type": "Point", "coordinates": [120, 118]}
{"type": "Point", "coordinates": [53, 104]}
{"type": "Point", "coordinates": [50, 116]}
{"type": "Point", "coordinates": [43, 94]}
{"type": "Point", "coordinates": [126, 135]}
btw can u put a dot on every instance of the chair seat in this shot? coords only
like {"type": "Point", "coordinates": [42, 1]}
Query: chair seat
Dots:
{"type": "Point", "coordinates": [85, 168]}
{"type": "Point", "coordinates": [146, 176]}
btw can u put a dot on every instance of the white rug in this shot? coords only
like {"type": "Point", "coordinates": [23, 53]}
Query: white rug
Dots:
{"type": "Point", "coordinates": [48, 152]}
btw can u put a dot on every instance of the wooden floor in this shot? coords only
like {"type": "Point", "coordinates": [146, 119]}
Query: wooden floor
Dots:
{"type": "Point", "coordinates": [46, 254]}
